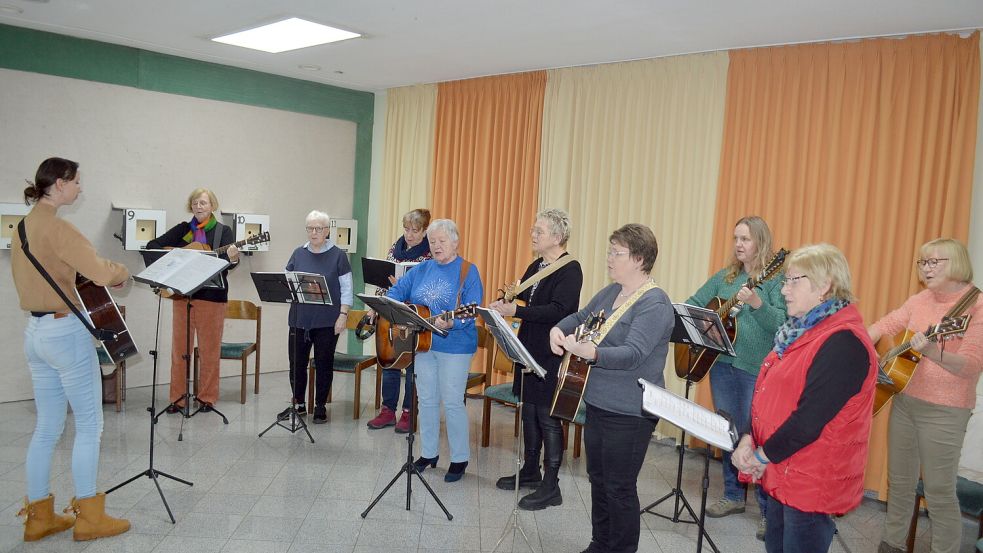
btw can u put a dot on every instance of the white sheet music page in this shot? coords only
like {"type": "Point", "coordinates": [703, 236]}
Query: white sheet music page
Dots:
{"type": "Point", "coordinates": [694, 419]}
{"type": "Point", "coordinates": [182, 270]}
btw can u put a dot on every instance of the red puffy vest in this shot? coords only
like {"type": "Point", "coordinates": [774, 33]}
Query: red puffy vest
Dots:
{"type": "Point", "coordinates": [827, 475]}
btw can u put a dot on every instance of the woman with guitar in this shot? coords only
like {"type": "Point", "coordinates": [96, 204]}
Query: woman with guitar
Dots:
{"type": "Point", "coordinates": [317, 326]}
{"type": "Point", "coordinates": [929, 417]}
{"type": "Point", "coordinates": [412, 246]}
{"type": "Point", "coordinates": [759, 314]}
{"type": "Point", "coordinates": [203, 231]}
{"type": "Point", "coordinates": [540, 307]}
{"type": "Point", "coordinates": [442, 284]}
{"type": "Point", "coordinates": [61, 356]}
{"type": "Point", "coordinates": [632, 343]}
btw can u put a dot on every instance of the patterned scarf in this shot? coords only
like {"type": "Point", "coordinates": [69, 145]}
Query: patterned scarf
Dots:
{"type": "Point", "coordinates": [795, 327]}
{"type": "Point", "coordinates": [419, 252]}
{"type": "Point", "coordinates": [198, 230]}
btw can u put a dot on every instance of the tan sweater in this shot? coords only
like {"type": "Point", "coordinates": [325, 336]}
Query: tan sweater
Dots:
{"type": "Point", "coordinates": [62, 251]}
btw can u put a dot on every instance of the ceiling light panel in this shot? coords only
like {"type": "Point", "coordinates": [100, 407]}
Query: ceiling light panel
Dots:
{"type": "Point", "coordinates": [289, 34]}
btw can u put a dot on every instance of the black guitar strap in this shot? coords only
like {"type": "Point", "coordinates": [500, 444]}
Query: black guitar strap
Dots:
{"type": "Point", "coordinates": [97, 333]}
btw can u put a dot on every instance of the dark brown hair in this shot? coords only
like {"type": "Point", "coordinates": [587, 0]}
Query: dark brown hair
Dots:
{"type": "Point", "coordinates": [640, 241]}
{"type": "Point", "coordinates": [49, 172]}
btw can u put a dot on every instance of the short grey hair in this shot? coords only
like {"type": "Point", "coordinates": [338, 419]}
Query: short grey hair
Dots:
{"type": "Point", "coordinates": [318, 217]}
{"type": "Point", "coordinates": [446, 226]}
{"type": "Point", "coordinates": [558, 221]}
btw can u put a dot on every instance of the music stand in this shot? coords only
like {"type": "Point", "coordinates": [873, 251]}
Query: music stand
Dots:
{"type": "Point", "coordinates": [293, 287]}
{"type": "Point", "coordinates": [517, 353]}
{"type": "Point", "coordinates": [183, 272]}
{"type": "Point", "coordinates": [699, 328]}
{"type": "Point", "coordinates": [714, 429]}
{"type": "Point", "coordinates": [402, 315]}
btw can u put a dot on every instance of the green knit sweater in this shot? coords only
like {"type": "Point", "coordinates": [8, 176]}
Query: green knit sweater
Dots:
{"type": "Point", "coordinates": [755, 327]}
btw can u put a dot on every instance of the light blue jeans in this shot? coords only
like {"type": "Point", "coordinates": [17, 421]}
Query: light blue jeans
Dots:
{"type": "Point", "coordinates": [64, 370]}
{"type": "Point", "coordinates": [442, 377]}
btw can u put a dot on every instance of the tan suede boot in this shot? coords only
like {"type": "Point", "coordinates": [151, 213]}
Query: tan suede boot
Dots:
{"type": "Point", "coordinates": [91, 520]}
{"type": "Point", "coordinates": [42, 520]}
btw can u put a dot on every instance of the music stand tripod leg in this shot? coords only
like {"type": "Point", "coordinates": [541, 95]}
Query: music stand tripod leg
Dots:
{"type": "Point", "coordinates": [513, 522]}
{"type": "Point", "coordinates": [409, 468]}
{"type": "Point", "coordinates": [296, 421]}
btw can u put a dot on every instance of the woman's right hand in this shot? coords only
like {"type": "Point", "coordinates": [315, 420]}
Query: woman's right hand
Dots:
{"type": "Point", "coordinates": [556, 340]}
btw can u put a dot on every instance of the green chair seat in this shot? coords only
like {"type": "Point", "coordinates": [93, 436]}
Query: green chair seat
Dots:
{"type": "Point", "coordinates": [344, 362]}
{"type": "Point", "coordinates": [234, 350]}
{"type": "Point", "coordinates": [581, 416]}
{"type": "Point", "coordinates": [103, 358]}
{"type": "Point", "coordinates": [502, 393]}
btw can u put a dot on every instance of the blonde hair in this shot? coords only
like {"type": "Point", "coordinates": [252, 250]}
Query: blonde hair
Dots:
{"type": "Point", "coordinates": [198, 192]}
{"type": "Point", "coordinates": [959, 268]}
{"type": "Point", "coordinates": [761, 236]}
{"type": "Point", "coordinates": [823, 263]}
{"type": "Point", "coordinates": [318, 217]}
{"type": "Point", "coordinates": [558, 221]}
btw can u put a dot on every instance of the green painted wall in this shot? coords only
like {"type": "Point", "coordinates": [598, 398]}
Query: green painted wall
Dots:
{"type": "Point", "coordinates": [52, 54]}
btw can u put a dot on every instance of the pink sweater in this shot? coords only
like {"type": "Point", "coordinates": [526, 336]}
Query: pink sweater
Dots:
{"type": "Point", "coordinates": [930, 382]}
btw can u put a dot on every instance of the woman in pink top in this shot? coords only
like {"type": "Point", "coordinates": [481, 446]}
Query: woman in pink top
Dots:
{"type": "Point", "coordinates": [929, 418]}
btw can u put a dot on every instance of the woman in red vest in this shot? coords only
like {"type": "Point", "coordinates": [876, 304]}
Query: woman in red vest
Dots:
{"type": "Point", "coordinates": [811, 412]}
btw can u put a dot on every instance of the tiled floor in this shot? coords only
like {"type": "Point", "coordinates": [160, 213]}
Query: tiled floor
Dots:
{"type": "Point", "coordinates": [280, 493]}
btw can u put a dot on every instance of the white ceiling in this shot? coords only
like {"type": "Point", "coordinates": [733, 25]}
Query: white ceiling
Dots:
{"type": "Point", "coordinates": [424, 41]}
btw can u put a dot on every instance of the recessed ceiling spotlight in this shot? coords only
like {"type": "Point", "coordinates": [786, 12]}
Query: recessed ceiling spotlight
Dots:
{"type": "Point", "coordinates": [309, 67]}
{"type": "Point", "coordinates": [10, 9]}
{"type": "Point", "coordinates": [289, 34]}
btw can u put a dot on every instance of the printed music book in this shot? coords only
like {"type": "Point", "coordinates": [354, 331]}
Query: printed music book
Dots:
{"type": "Point", "coordinates": [377, 271]}
{"type": "Point", "coordinates": [695, 419]}
{"type": "Point", "coordinates": [182, 271]}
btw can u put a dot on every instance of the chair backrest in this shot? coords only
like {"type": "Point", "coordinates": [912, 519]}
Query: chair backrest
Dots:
{"type": "Point", "coordinates": [246, 310]}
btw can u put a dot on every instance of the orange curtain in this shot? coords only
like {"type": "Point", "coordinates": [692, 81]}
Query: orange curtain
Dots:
{"type": "Point", "coordinates": [866, 145]}
{"type": "Point", "coordinates": [486, 169]}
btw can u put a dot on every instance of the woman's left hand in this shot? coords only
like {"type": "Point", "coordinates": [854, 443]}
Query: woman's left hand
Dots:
{"type": "Point", "coordinates": [750, 297]}
{"type": "Point", "coordinates": [341, 324]}
{"type": "Point", "coordinates": [444, 324]}
{"type": "Point", "coordinates": [233, 253]}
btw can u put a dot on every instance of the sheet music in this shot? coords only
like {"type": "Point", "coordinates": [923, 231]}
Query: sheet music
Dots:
{"type": "Point", "coordinates": [182, 270]}
{"type": "Point", "coordinates": [509, 342]}
{"type": "Point", "coordinates": [377, 271]}
{"type": "Point", "coordinates": [694, 419]}
{"type": "Point", "coordinates": [313, 287]}
{"type": "Point", "coordinates": [703, 328]}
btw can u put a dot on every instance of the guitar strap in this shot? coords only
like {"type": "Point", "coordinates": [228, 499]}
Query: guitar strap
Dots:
{"type": "Point", "coordinates": [217, 237]}
{"type": "Point", "coordinates": [465, 267]}
{"type": "Point", "coordinates": [613, 319]}
{"type": "Point", "coordinates": [540, 275]}
{"type": "Point", "coordinates": [964, 303]}
{"type": "Point", "coordinates": [97, 333]}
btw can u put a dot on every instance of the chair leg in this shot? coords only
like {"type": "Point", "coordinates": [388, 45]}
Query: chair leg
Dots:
{"type": "Point", "coordinates": [378, 387]}
{"type": "Point", "coordinates": [515, 429]}
{"type": "Point", "coordinates": [310, 384]}
{"type": "Point", "coordinates": [566, 434]}
{"type": "Point", "coordinates": [913, 526]}
{"type": "Point", "coordinates": [120, 371]}
{"type": "Point", "coordinates": [256, 385]}
{"type": "Point", "coordinates": [577, 431]}
{"type": "Point", "coordinates": [485, 422]}
{"type": "Point", "coordinates": [357, 402]}
{"type": "Point", "coordinates": [242, 383]}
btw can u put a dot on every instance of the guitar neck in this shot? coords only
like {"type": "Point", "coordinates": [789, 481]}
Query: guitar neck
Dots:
{"type": "Point", "coordinates": [222, 249]}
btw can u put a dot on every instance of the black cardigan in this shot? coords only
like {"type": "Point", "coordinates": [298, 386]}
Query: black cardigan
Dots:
{"type": "Point", "coordinates": [174, 238]}
{"type": "Point", "coordinates": [557, 296]}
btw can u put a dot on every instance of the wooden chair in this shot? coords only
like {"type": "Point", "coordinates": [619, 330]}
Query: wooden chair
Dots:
{"type": "Point", "coordinates": [241, 310]}
{"type": "Point", "coordinates": [578, 430]}
{"type": "Point", "coordinates": [348, 363]}
{"type": "Point", "coordinates": [118, 368]}
{"type": "Point", "coordinates": [970, 496]}
{"type": "Point", "coordinates": [501, 394]}
{"type": "Point", "coordinates": [486, 349]}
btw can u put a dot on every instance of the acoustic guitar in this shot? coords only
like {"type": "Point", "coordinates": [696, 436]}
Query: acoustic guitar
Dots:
{"type": "Point", "coordinates": [693, 362]}
{"type": "Point", "coordinates": [255, 239]}
{"type": "Point", "coordinates": [105, 315]}
{"type": "Point", "coordinates": [574, 372]}
{"type": "Point", "coordinates": [394, 343]}
{"type": "Point", "coordinates": [898, 363]}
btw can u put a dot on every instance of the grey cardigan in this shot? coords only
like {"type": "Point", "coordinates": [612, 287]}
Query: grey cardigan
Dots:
{"type": "Point", "coordinates": [635, 348]}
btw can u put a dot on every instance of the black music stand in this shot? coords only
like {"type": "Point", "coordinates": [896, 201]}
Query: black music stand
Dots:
{"type": "Point", "coordinates": [292, 287]}
{"type": "Point", "coordinates": [696, 327]}
{"type": "Point", "coordinates": [517, 353]}
{"type": "Point", "coordinates": [184, 272]}
{"type": "Point", "coordinates": [400, 314]}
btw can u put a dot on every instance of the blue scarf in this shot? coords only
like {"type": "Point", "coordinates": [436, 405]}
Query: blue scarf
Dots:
{"type": "Point", "coordinates": [401, 253]}
{"type": "Point", "coordinates": [795, 327]}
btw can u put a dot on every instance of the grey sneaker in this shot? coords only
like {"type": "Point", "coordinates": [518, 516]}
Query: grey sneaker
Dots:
{"type": "Point", "coordinates": [762, 528]}
{"type": "Point", "coordinates": [723, 507]}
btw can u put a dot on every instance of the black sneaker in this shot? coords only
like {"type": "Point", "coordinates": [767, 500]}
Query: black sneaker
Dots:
{"type": "Point", "coordinates": [320, 414]}
{"type": "Point", "coordinates": [301, 409]}
{"type": "Point", "coordinates": [285, 414]}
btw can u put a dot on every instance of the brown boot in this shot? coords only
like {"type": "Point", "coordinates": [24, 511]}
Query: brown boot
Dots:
{"type": "Point", "coordinates": [91, 520]}
{"type": "Point", "coordinates": [42, 520]}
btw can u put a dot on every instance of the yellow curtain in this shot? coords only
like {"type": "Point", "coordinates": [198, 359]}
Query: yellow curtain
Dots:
{"type": "Point", "coordinates": [866, 145]}
{"type": "Point", "coordinates": [407, 171]}
{"type": "Point", "coordinates": [637, 142]}
{"type": "Point", "coordinates": [486, 169]}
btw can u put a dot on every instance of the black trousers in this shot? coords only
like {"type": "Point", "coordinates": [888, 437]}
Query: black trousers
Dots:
{"type": "Point", "coordinates": [541, 430]}
{"type": "Point", "coordinates": [324, 341]}
{"type": "Point", "coordinates": [615, 445]}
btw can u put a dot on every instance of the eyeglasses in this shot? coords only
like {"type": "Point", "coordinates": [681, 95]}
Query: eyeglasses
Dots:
{"type": "Point", "coordinates": [931, 262]}
{"type": "Point", "coordinates": [616, 253]}
{"type": "Point", "coordinates": [201, 203]}
{"type": "Point", "coordinates": [315, 229]}
{"type": "Point", "coordinates": [790, 280]}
